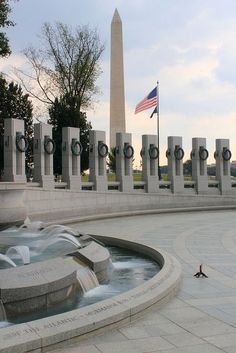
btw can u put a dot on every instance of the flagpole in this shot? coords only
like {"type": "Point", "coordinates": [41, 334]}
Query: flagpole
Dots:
{"type": "Point", "coordinates": [158, 130]}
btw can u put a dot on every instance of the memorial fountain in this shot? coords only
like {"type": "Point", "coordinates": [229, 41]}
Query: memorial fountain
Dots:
{"type": "Point", "coordinates": [52, 268]}
{"type": "Point", "coordinates": [44, 265]}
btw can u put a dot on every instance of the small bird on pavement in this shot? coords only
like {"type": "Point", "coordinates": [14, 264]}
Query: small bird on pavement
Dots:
{"type": "Point", "coordinates": [200, 273]}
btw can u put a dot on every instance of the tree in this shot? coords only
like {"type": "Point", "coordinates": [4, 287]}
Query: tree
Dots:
{"type": "Point", "coordinates": [233, 171]}
{"type": "Point", "coordinates": [65, 70]}
{"type": "Point", "coordinates": [187, 167]}
{"type": "Point", "coordinates": [66, 65]}
{"type": "Point", "coordinates": [63, 114]}
{"type": "Point", "coordinates": [15, 104]}
{"type": "Point", "coordinates": [4, 22]}
{"type": "Point", "coordinates": [111, 162]}
{"type": "Point", "coordinates": [112, 159]}
{"type": "Point", "coordinates": [211, 170]}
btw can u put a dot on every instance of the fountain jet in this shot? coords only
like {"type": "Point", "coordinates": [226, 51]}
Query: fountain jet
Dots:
{"type": "Point", "coordinates": [7, 259]}
{"type": "Point", "coordinates": [22, 251]}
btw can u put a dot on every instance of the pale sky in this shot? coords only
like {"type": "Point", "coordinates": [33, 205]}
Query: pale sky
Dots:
{"type": "Point", "coordinates": [189, 46]}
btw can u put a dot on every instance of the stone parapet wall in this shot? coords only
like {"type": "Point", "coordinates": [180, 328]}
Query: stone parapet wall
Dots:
{"type": "Point", "coordinates": [12, 206]}
{"type": "Point", "coordinates": [59, 205]}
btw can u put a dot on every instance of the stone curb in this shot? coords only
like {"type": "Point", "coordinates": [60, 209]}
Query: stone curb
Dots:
{"type": "Point", "coordinates": [143, 212]}
{"type": "Point", "coordinates": [45, 334]}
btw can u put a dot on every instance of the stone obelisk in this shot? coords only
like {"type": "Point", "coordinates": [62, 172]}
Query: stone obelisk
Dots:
{"type": "Point", "coordinates": [117, 90]}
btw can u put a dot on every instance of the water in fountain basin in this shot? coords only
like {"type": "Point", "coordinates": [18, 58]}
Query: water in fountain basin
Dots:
{"type": "Point", "coordinates": [32, 231]}
{"type": "Point", "coordinates": [57, 228]}
{"type": "Point", "coordinates": [30, 243]}
{"type": "Point", "coordinates": [56, 239]}
{"type": "Point", "coordinates": [128, 270]}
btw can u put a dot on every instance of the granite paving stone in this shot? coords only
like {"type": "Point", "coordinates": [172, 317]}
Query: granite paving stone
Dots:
{"type": "Point", "coordinates": [200, 348]}
{"type": "Point", "coordinates": [231, 349]}
{"type": "Point", "coordinates": [143, 345]}
{"type": "Point", "coordinates": [183, 339]}
{"type": "Point", "coordinates": [221, 341]}
{"type": "Point", "coordinates": [87, 349]}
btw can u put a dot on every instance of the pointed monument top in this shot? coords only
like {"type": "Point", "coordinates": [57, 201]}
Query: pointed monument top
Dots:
{"type": "Point", "coordinates": [116, 16]}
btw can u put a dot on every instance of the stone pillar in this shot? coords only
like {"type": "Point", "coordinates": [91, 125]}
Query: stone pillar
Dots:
{"type": "Point", "coordinates": [15, 145]}
{"type": "Point", "coordinates": [98, 152]}
{"type": "Point", "coordinates": [44, 148]}
{"type": "Point", "coordinates": [150, 155]}
{"type": "Point", "coordinates": [199, 164]}
{"type": "Point", "coordinates": [117, 90]}
{"type": "Point", "coordinates": [222, 156]}
{"type": "Point", "coordinates": [71, 152]}
{"type": "Point", "coordinates": [124, 162]}
{"type": "Point", "coordinates": [175, 156]}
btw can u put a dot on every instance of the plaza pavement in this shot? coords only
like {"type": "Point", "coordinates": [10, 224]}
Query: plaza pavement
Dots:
{"type": "Point", "coordinates": [202, 317]}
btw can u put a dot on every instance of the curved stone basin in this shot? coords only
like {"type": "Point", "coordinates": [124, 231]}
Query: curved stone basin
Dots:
{"type": "Point", "coordinates": [43, 333]}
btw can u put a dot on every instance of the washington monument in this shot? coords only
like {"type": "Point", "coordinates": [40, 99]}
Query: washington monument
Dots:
{"type": "Point", "coordinates": [117, 91]}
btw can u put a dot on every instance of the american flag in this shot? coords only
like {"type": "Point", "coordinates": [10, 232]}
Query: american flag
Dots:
{"type": "Point", "coordinates": [147, 102]}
